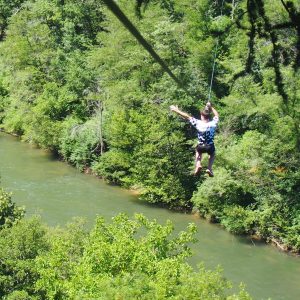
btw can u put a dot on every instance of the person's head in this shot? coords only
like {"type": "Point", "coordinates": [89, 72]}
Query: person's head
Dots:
{"type": "Point", "coordinates": [205, 114]}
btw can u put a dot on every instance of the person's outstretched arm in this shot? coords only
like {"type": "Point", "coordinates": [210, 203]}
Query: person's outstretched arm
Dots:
{"type": "Point", "coordinates": [179, 112]}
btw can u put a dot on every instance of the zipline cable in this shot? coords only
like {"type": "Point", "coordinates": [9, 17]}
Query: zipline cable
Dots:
{"type": "Point", "coordinates": [213, 71]}
{"type": "Point", "coordinates": [214, 61]}
{"type": "Point", "coordinates": [127, 23]}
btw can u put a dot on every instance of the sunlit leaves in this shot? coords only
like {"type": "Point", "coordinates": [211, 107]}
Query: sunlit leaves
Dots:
{"type": "Point", "coordinates": [132, 258]}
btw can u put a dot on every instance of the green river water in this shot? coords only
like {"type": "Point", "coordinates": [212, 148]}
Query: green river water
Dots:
{"type": "Point", "coordinates": [58, 192]}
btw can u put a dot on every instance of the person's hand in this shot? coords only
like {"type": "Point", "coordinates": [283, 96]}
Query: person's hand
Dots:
{"type": "Point", "coordinates": [208, 106]}
{"type": "Point", "coordinates": [173, 107]}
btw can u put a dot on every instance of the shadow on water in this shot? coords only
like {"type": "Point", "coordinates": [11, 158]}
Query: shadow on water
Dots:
{"type": "Point", "coordinates": [143, 203]}
{"type": "Point", "coordinates": [247, 240]}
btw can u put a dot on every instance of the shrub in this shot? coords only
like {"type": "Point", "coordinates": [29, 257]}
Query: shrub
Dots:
{"type": "Point", "coordinates": [10, 213]}
{"type": "Point", "coordinates": [217, 192]}
{"type": "Point", "coordinates": [239, 220]}
{"type": "Point", "coordinates": [80, 142]}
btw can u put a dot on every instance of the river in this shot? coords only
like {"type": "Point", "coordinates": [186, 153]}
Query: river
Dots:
{"type": "Point", "coordinates": [58, 192]}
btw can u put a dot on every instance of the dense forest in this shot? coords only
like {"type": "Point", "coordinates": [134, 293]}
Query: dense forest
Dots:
{"type": "Point", "coordinates": [74, 80]}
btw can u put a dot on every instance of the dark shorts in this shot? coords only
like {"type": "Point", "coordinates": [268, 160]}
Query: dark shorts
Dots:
{"type": "Point", "coordinates": [210, 149]}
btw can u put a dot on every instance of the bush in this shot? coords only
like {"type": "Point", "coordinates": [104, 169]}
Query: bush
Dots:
{"type": "Point", "coordinates": [218, 192]}
{"type": "Point", "coordinates": [239, 220]}
{"type": "Point", "coordinates": [79, 143]}
{"type": "Point", "coordinates": [10, 213]}
{"type": "Point", "coordinates": [114, 166]}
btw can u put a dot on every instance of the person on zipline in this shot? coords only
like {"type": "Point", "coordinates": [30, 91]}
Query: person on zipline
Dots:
{"type": "Point", "coordinates": [206, 131]}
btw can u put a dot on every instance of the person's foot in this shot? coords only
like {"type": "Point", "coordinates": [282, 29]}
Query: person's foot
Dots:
{"type": "Point", "coordinates": [209, 172]}
{"type": "Point", "coordinates": [197, 170]}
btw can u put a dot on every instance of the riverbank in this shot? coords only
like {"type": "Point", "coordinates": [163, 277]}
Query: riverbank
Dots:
{"type": "Point", "coordinates": [256, 237]}
{"type": "Point", "coordinates": [137, 192]}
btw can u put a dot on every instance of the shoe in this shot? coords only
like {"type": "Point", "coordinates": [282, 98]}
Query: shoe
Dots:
{"type": "Point", "coordinates": [197, 171]}
{"type": "Point", "coordinates": [209, 172]}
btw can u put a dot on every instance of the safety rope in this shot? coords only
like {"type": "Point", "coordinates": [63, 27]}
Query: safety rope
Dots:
{"type": "Point", "coordinates": [213, 70]}
{"type": "Point", "coordinates": [214, 60]}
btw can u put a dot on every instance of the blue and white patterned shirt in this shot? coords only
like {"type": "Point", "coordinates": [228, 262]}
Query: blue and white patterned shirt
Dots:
{"type": "Point", "coordinates": [206, 130]}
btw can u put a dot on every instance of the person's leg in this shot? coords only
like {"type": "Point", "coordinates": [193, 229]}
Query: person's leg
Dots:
{"type": "Point", "coordinates": [198, 158]}
{"type": "Point", "coordinates": [211, 159]}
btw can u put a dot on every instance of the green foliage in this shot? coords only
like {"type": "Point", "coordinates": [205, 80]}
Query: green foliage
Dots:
{"type": "Point", "coordinates": [147, 151]}
{"type": "Point", "coordinates": [239, 220]}
{"type": "Point", "coordinates": [114, 166]}
{"type": "Point", "coordinates": [3, 99]}
{"type": "Point", "coordinates": [74, 80]}
{"type": "Point", "coordinates": [10, 213]}
{"type": "Point", "coordinates": [79, 143]}
{"type": "Point", "coordinates": [218, 192]}
{"type": "Point", "coordinates": [220, 24]}
{"type": "Point", "coordinates": [46, 68]}
{"type": "Point", "coordinates": [7, 8]}
{"type": "Point", "coordinates": [19, 295]}
{"type": "Point", "coordinates": [57, 265]}
{"type": "Point", "coordinates": [129, 258]}
{"type": "Point", "coordinates": [20, 245]}
{"type": "Point", "coordinates": [253, 196]}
